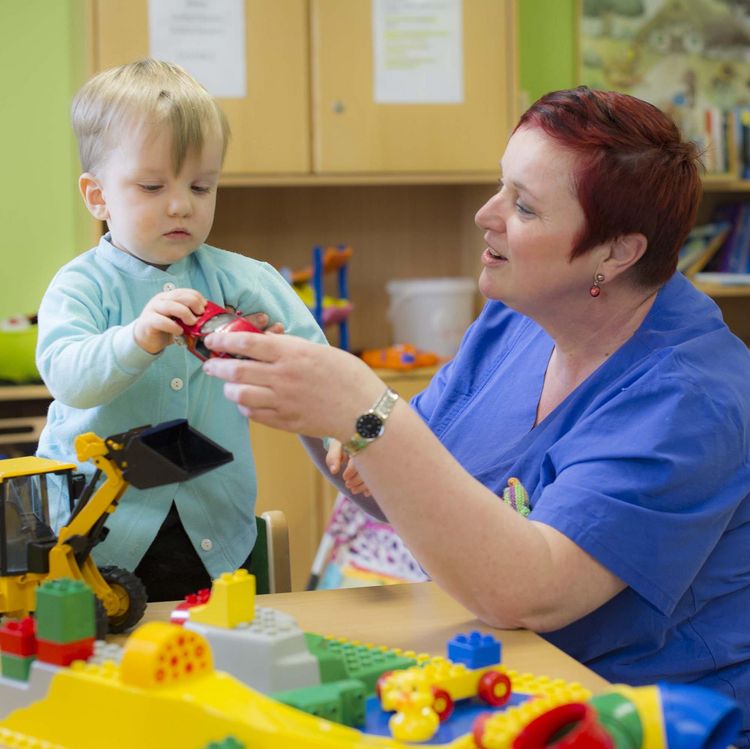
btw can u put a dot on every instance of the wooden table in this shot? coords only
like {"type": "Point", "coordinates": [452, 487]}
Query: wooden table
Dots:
{"type": "Point", "coordinates": [412, 616]}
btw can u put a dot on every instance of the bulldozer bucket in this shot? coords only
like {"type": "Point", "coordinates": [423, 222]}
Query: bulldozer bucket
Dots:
{"type": "Point", "coordinates": [164, 454]}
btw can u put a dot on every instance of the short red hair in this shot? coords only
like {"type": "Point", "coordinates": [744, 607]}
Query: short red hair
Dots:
{"type": "Point", "coordinates": [635, 172]}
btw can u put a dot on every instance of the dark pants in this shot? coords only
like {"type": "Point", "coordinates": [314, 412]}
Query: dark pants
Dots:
{"type": "Point", "coordinates": [171, 568]}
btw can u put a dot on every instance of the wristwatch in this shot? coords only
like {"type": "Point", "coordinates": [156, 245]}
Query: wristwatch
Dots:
{"type": "Point", "coordinates": [371, 424]}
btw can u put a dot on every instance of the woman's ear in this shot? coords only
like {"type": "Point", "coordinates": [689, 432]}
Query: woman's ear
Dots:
{"type": "Point", "coordinates": [624, 253]}
{"type": "Point", "coordinates": [93, 196]}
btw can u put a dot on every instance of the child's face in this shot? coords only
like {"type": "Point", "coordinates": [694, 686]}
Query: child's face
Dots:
{"type": "Point", "coordinates": [152, 213]}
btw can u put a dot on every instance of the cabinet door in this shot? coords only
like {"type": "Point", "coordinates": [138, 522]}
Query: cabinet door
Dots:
{"type": "Point", "coordinates": [352, 133]}
{"type": "Point", "coordinates": [270, 131]}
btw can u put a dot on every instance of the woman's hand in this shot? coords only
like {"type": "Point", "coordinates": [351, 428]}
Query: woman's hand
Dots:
{"type": "Point", "coordinates": [335, 458]}
{"type": "Point", "coordinates": [295, 385]}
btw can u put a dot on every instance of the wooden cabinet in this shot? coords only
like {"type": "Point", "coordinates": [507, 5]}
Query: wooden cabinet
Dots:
{"type": "Point", "coordinates": [286, 126]}
{"type": "Point", "coordinates": [270, 126]}
{"type": "Point", "coordinates": [352, 133]}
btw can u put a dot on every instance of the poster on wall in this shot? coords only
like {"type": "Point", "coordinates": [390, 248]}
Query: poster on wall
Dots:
{"type": "Point", "coordinates": [206, 37]}
{"type": "Point", "coordinates": [418, 51]}
{"type": "Point", "coordinates": [691, 58]}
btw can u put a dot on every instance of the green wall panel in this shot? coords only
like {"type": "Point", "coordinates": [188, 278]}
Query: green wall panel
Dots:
{"type": "Point", "coordinates": [42, 63]}
{"type": "Point", "coordinates": [547, 31]}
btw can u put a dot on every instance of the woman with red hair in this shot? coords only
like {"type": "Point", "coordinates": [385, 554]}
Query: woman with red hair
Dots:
{"type": "Point", "coordinates": [598, 378]}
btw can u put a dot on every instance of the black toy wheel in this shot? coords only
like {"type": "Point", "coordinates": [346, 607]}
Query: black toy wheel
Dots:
{"type": "Point", "coordinates": [132, 594]}
{"type": "Point", "coordinates": [101, 619]}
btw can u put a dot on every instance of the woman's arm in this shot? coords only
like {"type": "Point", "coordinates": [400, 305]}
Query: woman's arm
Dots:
{"type": "Point", "coordinates": [511, 572]}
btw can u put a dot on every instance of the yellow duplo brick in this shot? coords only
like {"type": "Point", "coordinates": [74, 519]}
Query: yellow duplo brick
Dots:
{"type": "Point", "coordinates": [232, 601]}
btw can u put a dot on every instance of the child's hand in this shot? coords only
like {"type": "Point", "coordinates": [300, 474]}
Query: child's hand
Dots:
{"type": "Point", "coordinates": [155, 328]}
{"type": "Point", "coordinates": [352, 480]}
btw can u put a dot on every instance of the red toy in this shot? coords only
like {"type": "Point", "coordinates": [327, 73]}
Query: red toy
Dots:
{"type": "Point", "coordinates": [214, 319]}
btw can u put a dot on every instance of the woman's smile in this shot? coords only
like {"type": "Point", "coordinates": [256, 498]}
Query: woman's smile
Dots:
{"type": "Point", "coordinates": [493, 257]}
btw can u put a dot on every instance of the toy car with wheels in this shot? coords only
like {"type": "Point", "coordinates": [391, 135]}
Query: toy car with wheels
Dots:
{"type": "Point", "coordinates": [215, 319]}
{"type": "Point", "coordinates": [448, 682]}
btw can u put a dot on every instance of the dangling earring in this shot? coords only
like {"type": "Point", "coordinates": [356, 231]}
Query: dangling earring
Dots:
{"type": "Point", "coordinates": [595, 290]}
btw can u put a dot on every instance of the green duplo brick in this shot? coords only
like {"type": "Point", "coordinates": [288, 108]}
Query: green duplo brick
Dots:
{"type": "Point", "coordinates": [344, 660]}
{"type": "Point", "coordinates": [65, 611]}
{"type": "Point", "coordinates": [352, 698]}
{"type": "Point", "coordinates": [228, 743]}
{"type": "Point", "coordinates": [16, 666]}
{"type": "Point", "coordinates": [331, 663]}
{"type": "Point", "coordinates": [321, 700]}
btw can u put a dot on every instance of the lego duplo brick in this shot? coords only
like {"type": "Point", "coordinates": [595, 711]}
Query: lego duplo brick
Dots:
{"type": "Point", "coordinates": [64, 653]}
{"type": "Point", "coordinates": [352, 693]}
{"type": "Point", "coordinates": [322, 700]}
{"type": "Point", "coordinates": [106, 651]}
{"type": "Point", "coordinates": [268, 653]}
{"type": "Point", "coordinates": [474, 649]}
{"type": "Point", "coordinates": [230, 742]}
{"type": "Point", "coordinates": [65, 611]}
{"type": "Point", "coordinates": [341, 659]}
{"type": "Point", "coordinates": [18, 637]}
{"type": "Point", "coordinates": [339, 701]}
{"type": "Point", "coordinates": [18, 694]}
{"type": "Point", "coordinates": [16, 667]}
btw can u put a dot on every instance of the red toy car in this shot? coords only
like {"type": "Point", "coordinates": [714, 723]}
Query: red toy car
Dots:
{"type": "Point", "coordinates": [214, 319]}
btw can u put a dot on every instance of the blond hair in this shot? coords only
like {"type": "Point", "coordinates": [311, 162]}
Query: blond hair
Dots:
{"type": "Point", "coordinates": [146, 93]}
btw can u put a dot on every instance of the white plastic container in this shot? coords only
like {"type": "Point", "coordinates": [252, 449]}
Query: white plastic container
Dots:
{"type": "Point", "coordinates": [431, 313]}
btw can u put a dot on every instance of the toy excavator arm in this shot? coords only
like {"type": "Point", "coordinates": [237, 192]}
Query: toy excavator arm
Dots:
{"type": "Point", "coordinates": [91, 447]}
{"type": "Point", "coordinates": [145, 457]}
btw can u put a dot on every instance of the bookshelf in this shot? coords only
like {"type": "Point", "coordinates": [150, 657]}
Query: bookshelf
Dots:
{"type": "Point", "coordinates": [718, 290]}
{"type": "Point", "coordinates": [721, 189]}
{"type": "Point", "coordinates": [724, 183]}
{"type": "Point", "coordinates": [733, 299]}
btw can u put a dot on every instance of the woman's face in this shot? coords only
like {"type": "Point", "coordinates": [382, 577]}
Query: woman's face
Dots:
{"type": "Point", "coordinates": [529, 228]}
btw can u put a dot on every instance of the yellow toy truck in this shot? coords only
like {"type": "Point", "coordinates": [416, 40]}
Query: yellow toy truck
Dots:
{"type": "Point", "coordinates": [30, 552]}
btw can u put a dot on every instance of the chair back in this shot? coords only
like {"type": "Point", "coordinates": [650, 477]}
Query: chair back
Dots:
{"type": "Point", "coordinates": [270, 561]}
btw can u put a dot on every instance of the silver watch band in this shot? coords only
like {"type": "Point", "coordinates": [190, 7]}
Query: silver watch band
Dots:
{"type": "Point", "coordinates": [377, 415]}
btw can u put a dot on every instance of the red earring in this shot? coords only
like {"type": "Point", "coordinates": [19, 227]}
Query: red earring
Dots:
{"type": "Point", "coordinates": [595, 290]}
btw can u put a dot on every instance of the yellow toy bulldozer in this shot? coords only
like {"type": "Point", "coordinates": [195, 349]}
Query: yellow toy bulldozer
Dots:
{"type": "Point", "coordinates": [31, 553]}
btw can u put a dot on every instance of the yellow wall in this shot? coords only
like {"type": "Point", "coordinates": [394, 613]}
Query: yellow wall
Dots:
{"type": "Point", "coordinates": [42, 221]}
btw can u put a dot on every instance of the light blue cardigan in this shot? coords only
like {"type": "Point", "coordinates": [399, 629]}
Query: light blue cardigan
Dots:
{"type": "Point", "coordinates": [103, 382]}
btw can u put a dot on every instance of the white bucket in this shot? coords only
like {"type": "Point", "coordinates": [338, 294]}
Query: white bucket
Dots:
{"type": "Point", "coordinates": [431, 313]}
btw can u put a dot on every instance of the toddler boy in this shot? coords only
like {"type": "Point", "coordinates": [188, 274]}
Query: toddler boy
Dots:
{"type": "Point", "coordinates": [152, 141]}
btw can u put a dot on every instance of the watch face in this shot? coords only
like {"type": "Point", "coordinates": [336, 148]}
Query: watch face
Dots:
{"type": "Point", "coordinates": [369, 426]}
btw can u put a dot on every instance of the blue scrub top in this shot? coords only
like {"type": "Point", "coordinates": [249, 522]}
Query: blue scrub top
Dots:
{"type": "Point", "coordinates": [646, 466]}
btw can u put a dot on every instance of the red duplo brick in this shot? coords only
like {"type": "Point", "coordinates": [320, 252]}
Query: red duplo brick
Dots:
{"type": "Point", "coordinates": [63, 654]}
{"type": "Point", "coordinates": [19, 637]}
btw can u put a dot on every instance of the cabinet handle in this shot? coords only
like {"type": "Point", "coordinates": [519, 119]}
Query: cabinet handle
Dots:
{"type": "Point", "coordinates": [338, 107]}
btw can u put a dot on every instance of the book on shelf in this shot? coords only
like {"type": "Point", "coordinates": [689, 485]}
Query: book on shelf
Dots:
{"type": "Point", "coordinates": [723, 136]}
{"type": "Point", "coordinates": [731, 254]}
{"type": "Point", "coordinates": [701, 245]}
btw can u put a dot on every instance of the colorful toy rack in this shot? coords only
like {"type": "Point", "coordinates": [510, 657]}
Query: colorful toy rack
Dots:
{"type": "Point", "coordinates": [308, 282]}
